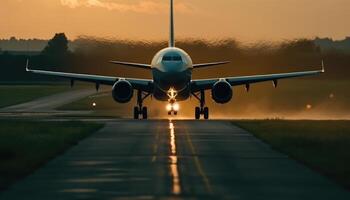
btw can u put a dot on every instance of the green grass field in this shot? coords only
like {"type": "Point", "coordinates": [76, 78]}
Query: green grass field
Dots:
{"type": "Point", "coordinates": [27, 145]}
{"type": "Point", "coordinates": [15, 94]}
{"type": "Point", "coordinates": [322, 145]}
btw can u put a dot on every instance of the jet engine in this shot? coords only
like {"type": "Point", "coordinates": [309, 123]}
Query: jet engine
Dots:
{"type": "Point", "coordinates": [122, 91]}
{"type": "Point", "coordinates": [222, 92]}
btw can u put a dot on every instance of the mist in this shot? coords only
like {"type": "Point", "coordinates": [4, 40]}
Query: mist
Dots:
{"type": "Point", "coordinates": [318, 97]}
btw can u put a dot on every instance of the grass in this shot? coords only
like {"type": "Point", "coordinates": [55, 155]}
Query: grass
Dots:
{"type": "Point", "coordinates": [321, 145]}
{"type": "Point", "coordinates": [11, 95]}
{"type": "Point", "coordinates": [27, 145]}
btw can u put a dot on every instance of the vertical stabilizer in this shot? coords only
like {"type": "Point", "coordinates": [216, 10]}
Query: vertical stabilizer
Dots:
{"type": "Point", "coordinates": [172, 34]}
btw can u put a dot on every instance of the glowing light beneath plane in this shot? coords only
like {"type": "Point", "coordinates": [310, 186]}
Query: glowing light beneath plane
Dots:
{"type": "Point", "coordinates": [94, 104]}
{"type": "Point", "coordinates": [176, 107]}
{"type": "Point", "coordinates": [168, 107]}
{"type": "Point", "coordinates": [173, 107]}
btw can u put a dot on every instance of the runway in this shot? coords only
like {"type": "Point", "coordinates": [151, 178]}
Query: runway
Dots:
{"type": "Point", "coordinates": [45, 106]}
{"type": "Point", "coordinates": [51, 102]}
{"type": "Point", "coordinates": [173, 160]}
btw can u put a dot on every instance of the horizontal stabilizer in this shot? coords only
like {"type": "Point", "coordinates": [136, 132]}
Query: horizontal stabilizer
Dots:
{"type": "Point", "coordinates": [210, 64]}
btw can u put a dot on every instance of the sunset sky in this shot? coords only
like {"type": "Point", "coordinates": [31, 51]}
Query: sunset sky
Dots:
{"type": "Point", "coordinates": [246, 20]}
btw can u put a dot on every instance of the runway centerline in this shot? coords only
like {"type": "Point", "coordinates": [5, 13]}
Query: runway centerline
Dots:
{"type": "Point", "coordinates": [174, 171]}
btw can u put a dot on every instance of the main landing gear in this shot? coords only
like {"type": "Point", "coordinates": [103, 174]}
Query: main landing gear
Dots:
{"type": "Point", "coordinates": [202, 110]}
{"type": "Point", "coordinates": [140, 110]}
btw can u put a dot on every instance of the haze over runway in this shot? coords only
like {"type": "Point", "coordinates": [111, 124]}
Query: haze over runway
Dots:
{"type": "Point", "coordinates": [49, 103]}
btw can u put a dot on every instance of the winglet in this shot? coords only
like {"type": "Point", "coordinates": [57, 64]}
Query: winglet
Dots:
{"type": "Point", "coordinates": [323, 68]}
{"type": "Point", "coordinates": [27, 66]}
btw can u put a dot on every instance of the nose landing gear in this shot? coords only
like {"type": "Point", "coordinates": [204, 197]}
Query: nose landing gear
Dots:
{"type": "Point", "coordinates": [172, 112]}
{"type": "Point", "coordinates": [172, 107]}
{"type": "Point", "coordinates": [202, 110]}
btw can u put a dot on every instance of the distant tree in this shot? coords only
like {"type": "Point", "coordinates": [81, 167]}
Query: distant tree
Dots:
{"type": "Point", "coordinates": [57, 46]}
{"type": "Point", "coordinates": [56, 52]}
{"type": "Point", "coordinates": [300, 46]}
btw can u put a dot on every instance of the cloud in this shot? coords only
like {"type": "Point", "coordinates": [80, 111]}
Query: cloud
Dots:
{"type": "Point", "coordinates": [143, 6]}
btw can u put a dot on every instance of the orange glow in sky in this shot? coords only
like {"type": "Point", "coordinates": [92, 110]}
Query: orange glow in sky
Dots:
{"type": "Point", "coordinates": [245, 20]}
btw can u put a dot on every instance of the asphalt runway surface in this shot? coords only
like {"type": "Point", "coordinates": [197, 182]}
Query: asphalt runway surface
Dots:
{"type": "Point", "coordinates": [164, 159]}
{"type": "Point", "coordinates": [45, 106]}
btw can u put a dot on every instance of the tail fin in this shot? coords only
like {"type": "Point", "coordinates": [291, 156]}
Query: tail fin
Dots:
{"type": "Point", "coordinates": [172, 34]}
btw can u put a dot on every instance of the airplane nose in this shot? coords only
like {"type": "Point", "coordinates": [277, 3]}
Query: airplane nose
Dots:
{"type": "Point", "coordinates": [174, 67]}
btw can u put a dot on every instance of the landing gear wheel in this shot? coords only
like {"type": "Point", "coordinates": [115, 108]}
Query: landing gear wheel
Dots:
{"type": "Point", "coordinates": [144, 113]}
{"type": "Point", "coordinates": [136, 112]}
{"type": "Point", "coordinates": [206, 113]}
{"type": "Point", "coordinates": [139, 110]}
{"type": "Point", "coordinates": [197, 113]}
{"type": "Point", "coordinates": [175, 112]}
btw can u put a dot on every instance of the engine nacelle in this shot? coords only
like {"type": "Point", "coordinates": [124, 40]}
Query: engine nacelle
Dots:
{"type": "Point", "coordinates": [222, 92]}
{"type": "Point", "coordinates": [122, 91]}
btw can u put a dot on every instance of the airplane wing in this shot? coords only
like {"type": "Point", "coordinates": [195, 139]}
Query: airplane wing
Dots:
{"type": "Point", "coordinates": [205, 84]}
{"type": "Point", "coordinates": [139, 84]}
{"type": "Point", "coordinates": [137, 65]}
{"type": "Point", "coordinates": [202, 65]}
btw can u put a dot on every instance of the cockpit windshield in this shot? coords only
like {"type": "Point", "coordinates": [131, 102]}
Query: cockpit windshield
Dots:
{"type": "Point", "coordinates": [172, 58]}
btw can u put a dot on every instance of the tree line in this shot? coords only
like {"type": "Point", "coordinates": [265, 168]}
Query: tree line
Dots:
{"type": "Point", "coordinates": [91, 55]}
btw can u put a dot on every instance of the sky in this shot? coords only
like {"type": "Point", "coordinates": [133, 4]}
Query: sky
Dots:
{"type": "Point", "coordinates": [245, 20]}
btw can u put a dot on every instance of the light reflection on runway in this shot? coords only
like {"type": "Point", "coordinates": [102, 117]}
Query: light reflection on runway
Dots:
{"type": "Point", "coordinates": [174, 171]}
{"type": "Point", "coordinates": [171, 160]}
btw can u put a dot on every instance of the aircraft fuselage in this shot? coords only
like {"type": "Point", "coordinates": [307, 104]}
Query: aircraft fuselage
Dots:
{"type": "Point", "coordinates": [172, 68]}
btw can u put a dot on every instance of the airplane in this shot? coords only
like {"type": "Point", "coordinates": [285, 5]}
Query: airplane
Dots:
{"type": "Point", "coordinates": [172, 80]}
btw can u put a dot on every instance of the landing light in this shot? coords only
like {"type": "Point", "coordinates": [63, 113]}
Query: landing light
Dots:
{"type": "Point", "coordinates": [173, 107]}
{"type": "Point", "coordinates": [168, 107]}
{"type": "Point", "coordinates": [176, 107]}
